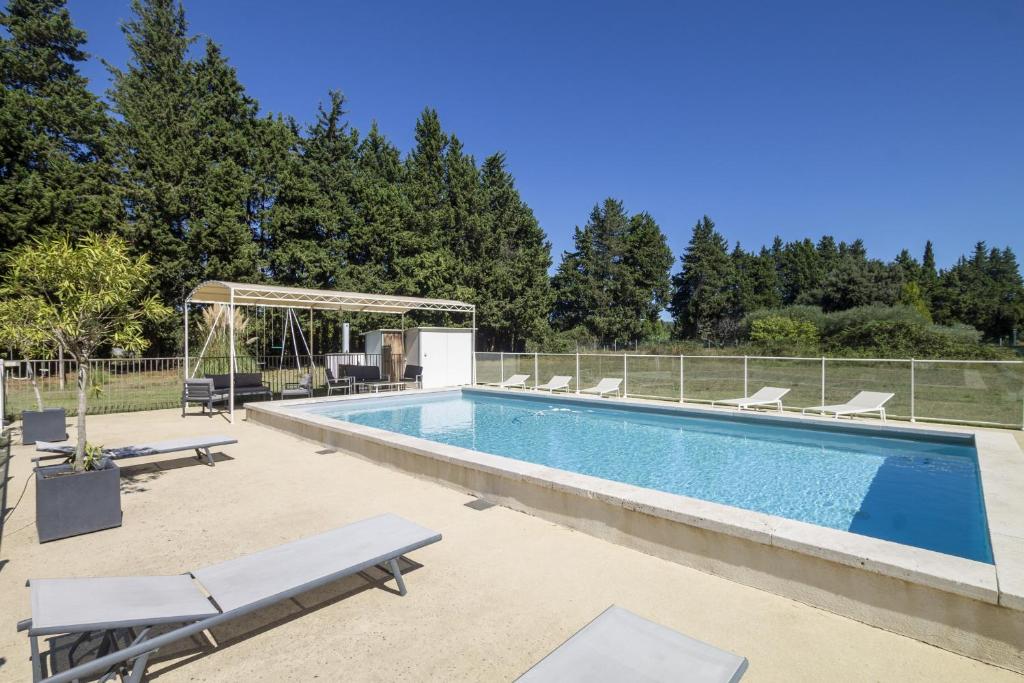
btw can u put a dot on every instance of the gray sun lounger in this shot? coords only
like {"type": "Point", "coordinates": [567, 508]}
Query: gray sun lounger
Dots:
{"type": "Point", "coordinates": [620, 646]}
{"type": "Point", "coordinates": [200, 444]}
{"type": "Point", "coordinates": [125, 609]}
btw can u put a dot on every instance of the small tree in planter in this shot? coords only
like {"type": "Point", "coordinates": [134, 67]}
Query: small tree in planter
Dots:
{"type": "Point", "coordinates": [80, 297]}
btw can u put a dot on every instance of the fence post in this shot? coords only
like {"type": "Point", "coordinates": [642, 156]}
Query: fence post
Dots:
{"type": "Point", "coordinates": [745, 391]}
{"type": "Point", "coordinates": [913, 417]}
{"type": "Point", "coordinates": [682, 377]}
{"type": "Point", "coordinates": [501, 366]}
{"type": "Point", "coordinates": [823, 380]}
{"type": "Point", "coordinates": [625, 377]}
{"type": "Point", "coordinates": [536, 369]}
{"type": "Point", "coordinates": [577, 372]}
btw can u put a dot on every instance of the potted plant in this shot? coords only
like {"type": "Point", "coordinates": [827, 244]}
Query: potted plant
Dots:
{"type": "Point", "coordinates": [42, 424]}
{"type": "Point", "coordinates": [79, 297]}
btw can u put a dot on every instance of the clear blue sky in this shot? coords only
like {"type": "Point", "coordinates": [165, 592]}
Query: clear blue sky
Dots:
{"type": "Point", "coordinates": [896, 122]}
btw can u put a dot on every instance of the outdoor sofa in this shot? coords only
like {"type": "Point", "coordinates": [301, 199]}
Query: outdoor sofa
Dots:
{"type": "Point", "coordinates": [364, 375]}
{"type": "Point", "coordinates": [247, 384]}
{"type": "Point", "coordinates": [126, 610]}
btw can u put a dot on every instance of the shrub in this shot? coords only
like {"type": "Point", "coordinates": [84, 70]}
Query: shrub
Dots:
{"type": "Point", "coordinates": [776, 334]}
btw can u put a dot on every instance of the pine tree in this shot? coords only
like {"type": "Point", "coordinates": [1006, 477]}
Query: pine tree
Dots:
{"type": "Point", "coordinates": [644, 283]}
{"type": "Point", "coordinates": [154, 145]}
{"type": "Point", "coordinates": [512, 289]}
{"type": "Point", "coordinates": [423, 263]}
{"type": "Point", "coordinates": [801, 273]}
{"type": "Point", "coordinates": [757, 282]}
{"type": "Point", "coordinates": [194, 173]}
{"type": "Point", "coordinates": [703, 291]}
{"type": "Point", "coordinates": [614, 285]}
{"type": "Point", "coordinates": [55, 170]}
{"type": "Point", "coordinates": [929, 274]}
{"type": "Point", "coordinates": [310, 223]}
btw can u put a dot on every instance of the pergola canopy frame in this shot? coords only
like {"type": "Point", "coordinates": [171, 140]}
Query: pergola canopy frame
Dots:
{"type": "Point", "coordinates": [234, 294]}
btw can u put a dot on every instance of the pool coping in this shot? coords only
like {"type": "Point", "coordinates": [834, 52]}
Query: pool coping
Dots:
{"type": "Point", "coordinates": [1000, 461]}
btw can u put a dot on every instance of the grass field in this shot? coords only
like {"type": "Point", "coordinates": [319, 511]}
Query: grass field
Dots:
{"type": "Point", "coordinates": [947, 391]}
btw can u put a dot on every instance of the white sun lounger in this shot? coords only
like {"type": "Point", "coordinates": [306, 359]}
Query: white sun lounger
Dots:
{"type": "Point", "coordinates": [607, 385]}
{"type": "Point", "coordinates": [863, 402]}
{"type": "Point", "coordinates": [765, 396]}
{"type": "Point", "coordinates": [124, 609]}
{"type": "Point", "coordinates": [620, 646]}
{"type": "Point", "coordinates": [513, 381]}
{"type": "Point", "coordinates": [200, 444]}
{"type": "Point", "coordinates": [556, 383]}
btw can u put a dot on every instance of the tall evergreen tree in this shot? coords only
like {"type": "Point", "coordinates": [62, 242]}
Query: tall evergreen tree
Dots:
{"type": "Point", "coordinates": [801, 273]}
{"type": "Point", "coordinates": [55, 170]}
{"type": "Point", "coordinates": [704, 290]}
{"type": "Point", "coordinates": [512, 288]}
{"type": "Point", "coordinates": [187, 144]}
{"type": "Point", "coordinates": [614, 285]}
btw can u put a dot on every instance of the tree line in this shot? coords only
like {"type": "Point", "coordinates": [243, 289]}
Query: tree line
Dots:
{"type": "Point", "coordinates": [179, 160]}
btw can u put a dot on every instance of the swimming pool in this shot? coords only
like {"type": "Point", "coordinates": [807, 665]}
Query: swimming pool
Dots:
{"type": "Point", "coordinates": [919, 490]}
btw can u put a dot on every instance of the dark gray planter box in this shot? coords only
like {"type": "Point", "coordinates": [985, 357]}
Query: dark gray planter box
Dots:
{"type": "Point", "coordinates": [71, 504]}
{"type": "Point", "coordinates": [43, 425]}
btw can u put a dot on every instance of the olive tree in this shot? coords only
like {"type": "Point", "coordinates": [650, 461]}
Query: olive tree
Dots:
{"type": "Point", "coordinates": [79, 296]}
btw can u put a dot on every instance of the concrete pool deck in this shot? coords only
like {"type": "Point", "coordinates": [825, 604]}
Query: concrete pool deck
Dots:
{"type": "Point", "coordinates": [498, 593]}
{"type": "Point", "coordinates": [965, 606]}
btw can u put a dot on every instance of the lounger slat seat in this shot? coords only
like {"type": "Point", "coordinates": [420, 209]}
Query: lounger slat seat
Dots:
{"type": "Point", "coordinates": [863, 402]}
{"type": "Point", "coordinates": [513, 381]}
{"type": "Point", "coordinates": [765, 396]}
{"type": "Point", "coordinates": [93, 604]}
{"type": "Point", "coordinates": [200, 444]}
{"type": "Point", "coordinates": [620, 646]}
{"type": "Point", "coordinates": [607, 385]}
{"type": "Point", "coordinates": [340, 552]}
{"type": "Point", "coordinates": [556, 383]}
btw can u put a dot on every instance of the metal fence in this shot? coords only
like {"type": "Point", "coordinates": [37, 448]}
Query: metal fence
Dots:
{"type": "Point", "coordinates": [958, 391]}
{"type": "Point", "coordinates": [126, 385]}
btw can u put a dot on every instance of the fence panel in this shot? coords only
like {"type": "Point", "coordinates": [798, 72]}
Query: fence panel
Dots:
{"type": "Point", "coordinates": [844, 377]}
{"type": "Point", "coordinates": [521, 364]}
{"type": "Point", "coordinates": [706, 378]}
{"type": "Point", "coordinates": [801, 375]}
{"type": "Point", "coordinates": [653, 376]}
{"type": "Point", "coordinates": [489, 367]}
{"type": "Point", "coordinates": [967, 391]}
{"type": "Point", "coordinates": [595, 366]}
{"type": "Point", "coordinates": [551, 364]}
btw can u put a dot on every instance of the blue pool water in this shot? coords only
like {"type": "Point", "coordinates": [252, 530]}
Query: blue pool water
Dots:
{"type": "Point", "coordinates": [919, 491]}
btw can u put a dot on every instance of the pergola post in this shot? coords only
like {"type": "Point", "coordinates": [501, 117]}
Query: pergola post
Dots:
{"type": "Point", "coordinates": [472, 377]}
{"type": "Point", "coordinates": [186, 338]}
{"type": "Point", "coordinates": [231, 355]}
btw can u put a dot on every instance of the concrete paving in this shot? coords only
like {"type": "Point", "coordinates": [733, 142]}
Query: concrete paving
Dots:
{"type": "Point", "coordinates": [499, 592]}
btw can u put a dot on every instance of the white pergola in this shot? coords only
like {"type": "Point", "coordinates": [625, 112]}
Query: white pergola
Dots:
{"type": "Point", "coordinates": [232, 294]}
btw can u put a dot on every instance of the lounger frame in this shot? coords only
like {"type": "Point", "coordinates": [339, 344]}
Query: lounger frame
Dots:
{"type": "Point", "coordinates": [136, 655]}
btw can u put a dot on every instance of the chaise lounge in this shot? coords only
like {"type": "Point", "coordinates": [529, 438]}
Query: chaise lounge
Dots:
{"type": "Point", "coordinates": [128, 608]}
{"type": "Point", "coordinates": [556, 383]}
{"type": "Point", "coordinates": [620, 646]}
{"type": "Point", "coordinates": [863, 402]}
{"type": "Point", "coordinates": [200, 444]}
{"type": "Point", "coordinates": [765, 396]}
{"type": "Point", "coordinates": [607, 385]}
{"type": "Point", "coordinates": [513, 381]}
